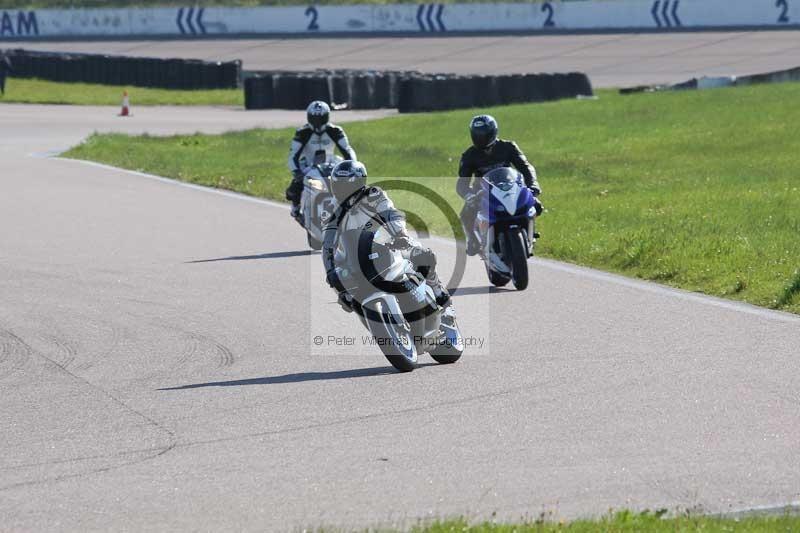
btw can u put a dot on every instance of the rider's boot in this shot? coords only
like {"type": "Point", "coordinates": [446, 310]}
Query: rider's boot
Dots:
{"type": "Point", "coordinates": [473, 246]}
{"type": "Point", "coordinates": [442, 296]}
{"type": "Point", "coordinates": [424, 261]}
{"type": "Point", "coordinates": [449, 315]}
{"type": "Point", "coordinates": [297, 215]}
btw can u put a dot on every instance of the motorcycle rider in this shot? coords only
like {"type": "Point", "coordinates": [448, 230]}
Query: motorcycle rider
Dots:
{"type": "Point", "coordinates": [486, 153]}
{"type": "Point", "coordinates": [360, 207]}
{"type": "Point", "coordinates": [317, 136]}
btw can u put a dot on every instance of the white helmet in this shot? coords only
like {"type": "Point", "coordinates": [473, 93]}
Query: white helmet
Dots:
{"type": "Point", "coordinates": [318, 113]}
{"type": "Point", "coordinates": [347, 178]}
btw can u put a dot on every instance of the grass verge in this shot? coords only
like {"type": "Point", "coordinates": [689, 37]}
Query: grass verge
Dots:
{"type": "Point", "coordinates": [33, 91]}
{"type": "Point", "coordinates": [628, 522]}
{"type": "Point", "coordinates": [698, 190]}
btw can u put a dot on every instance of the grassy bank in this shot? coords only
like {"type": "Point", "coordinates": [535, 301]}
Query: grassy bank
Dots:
{"type": "Point", "coordinates": [25, 91]}
{"type": "Point", "coordinates": [698, 190]}
{"type": "Point", "coordinates": [627, 522]}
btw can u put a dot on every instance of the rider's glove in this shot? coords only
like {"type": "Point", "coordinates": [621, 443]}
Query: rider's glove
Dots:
{"type": "Point", "coordinates": [297, 174]}
{"type": "Point", "coordinates": [402, 242]}
{"type": "Point", "coordinates": [535, 191]}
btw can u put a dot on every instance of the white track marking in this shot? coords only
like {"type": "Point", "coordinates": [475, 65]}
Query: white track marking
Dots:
{"type": "Point", "coordinates": [792, 508]}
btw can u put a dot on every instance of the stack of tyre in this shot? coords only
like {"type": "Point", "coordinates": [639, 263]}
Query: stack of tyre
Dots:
{"type": "Point", "coordinates": [340, 88]}
{"type": "Point", "coordinates": [124, 70]}
{"type": "Point", "coordinates": [407, 91]}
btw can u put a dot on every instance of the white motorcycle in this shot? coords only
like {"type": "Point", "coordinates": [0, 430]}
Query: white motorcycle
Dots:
{"type": "Point", "coordinates": [394, 302]}
{"type": "Point", "coordinates": [317, 203]}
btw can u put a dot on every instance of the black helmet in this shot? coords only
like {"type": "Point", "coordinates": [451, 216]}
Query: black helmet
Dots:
{"type": "Point", "coordinates": [347, 178]}
{"type": "Point", "coordinates": [483, 129]}
{"type": "Point", "coordinates": [317, 114]}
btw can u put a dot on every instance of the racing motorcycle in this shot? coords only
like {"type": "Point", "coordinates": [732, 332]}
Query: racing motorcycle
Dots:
{"type": "Point", "coordinates": [505, 227]}
{"type": "Point", "coordinates": [317, 203]}
{"type": "Point", "coordinates": [393, 301]}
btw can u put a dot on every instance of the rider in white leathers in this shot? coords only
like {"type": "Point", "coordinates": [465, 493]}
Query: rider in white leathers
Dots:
{"type": "Point", "coordinates": [317, 136]}
{"type": "Point", "coordinates": [366, 208]}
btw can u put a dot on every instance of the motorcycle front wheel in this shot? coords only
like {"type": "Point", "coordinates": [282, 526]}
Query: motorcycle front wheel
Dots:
{"type": "Point", "coordinates": [497, 279]}
{"type": "Point", "coordinates": [449, 351]}
{"type": "Point", "coordinates": [519, 258]}
{"type": "Point", "coordinates": [394, 340]}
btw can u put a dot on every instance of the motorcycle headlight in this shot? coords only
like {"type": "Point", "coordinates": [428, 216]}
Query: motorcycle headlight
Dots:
{"type": "Point", "coordinates": [316, 185]}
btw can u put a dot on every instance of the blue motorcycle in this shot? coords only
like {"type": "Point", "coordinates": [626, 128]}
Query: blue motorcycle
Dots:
{"type": "Point", "coordinates": [505, 227]}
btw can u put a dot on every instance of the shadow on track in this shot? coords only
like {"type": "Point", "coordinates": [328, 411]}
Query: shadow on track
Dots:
{"type": "Point", "coordinates": [299, 377]}
{"type": "Point", "coordinates": [271, 255]}
{"type": "Point", "coordinates": [467, 291]}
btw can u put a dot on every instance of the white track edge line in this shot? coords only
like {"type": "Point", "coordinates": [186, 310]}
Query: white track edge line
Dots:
{"type": "Point", "coordinates": [551, 264]}
{"type": "Point", "coordinates": [194, 186]}
{"type": "Point", "coordinates": [793, 507]}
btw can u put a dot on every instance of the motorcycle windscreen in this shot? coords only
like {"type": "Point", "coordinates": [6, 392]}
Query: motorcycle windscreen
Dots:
{"type": "Point", "coordinates": [504, 178]}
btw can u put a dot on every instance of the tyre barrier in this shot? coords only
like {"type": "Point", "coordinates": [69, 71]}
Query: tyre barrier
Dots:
{"type": "Point", "coordinates": [438, 93]}
{"type": "Point", "coordinates": [124, 70]}
{"type": "Point", "coordinates": [407, 91]}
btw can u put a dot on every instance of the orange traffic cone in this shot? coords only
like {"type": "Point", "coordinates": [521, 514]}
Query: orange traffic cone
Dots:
{"type": "Point", "coordinates": [126, 105]}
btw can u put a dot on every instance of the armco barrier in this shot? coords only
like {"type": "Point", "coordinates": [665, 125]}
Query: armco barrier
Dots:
{"type": "Point", "coordinates": [407, 91]}
{"type": "Point", "coordinates": [716, 82]}
{"type": "Point", "coordinates": [121, 70]}
{"type": "Point", "coordinates": [407, 18]}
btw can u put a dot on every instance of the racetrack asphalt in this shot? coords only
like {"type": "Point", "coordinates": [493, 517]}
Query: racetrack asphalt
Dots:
{"type": "Point", "coordinates": [610, 60]}
{"type": "Point", "coordinates": [158, 370]}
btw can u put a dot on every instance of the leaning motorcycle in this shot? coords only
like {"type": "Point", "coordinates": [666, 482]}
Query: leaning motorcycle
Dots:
{"type": "Point", "coordinates": [504, 227]}
{"type": "Point", "coordinates": [394, 302]}
{"type": "Point", "coordinates": [317, 203]}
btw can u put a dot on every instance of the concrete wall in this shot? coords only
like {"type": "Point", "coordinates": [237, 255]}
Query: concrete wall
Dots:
{"type": "Point", "coordinates": [566, 15]}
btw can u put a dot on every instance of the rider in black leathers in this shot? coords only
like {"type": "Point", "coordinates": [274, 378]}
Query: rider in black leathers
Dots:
{"type": "Point", "coordinates": [486, 153]}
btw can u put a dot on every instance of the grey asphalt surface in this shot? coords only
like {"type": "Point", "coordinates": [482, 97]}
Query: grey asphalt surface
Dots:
{"type": "Point", "coordinates": [143, 390]}
{"type": "Point", "coordinates": [610, 60]}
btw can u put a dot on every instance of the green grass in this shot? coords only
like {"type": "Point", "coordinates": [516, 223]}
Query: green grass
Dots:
{"type": "Point", "coordinates": [32, 91]}
{"type": "Point", "coordinates": [628, 522]}
{"type": "Point", "coordinates": [699, 190]}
